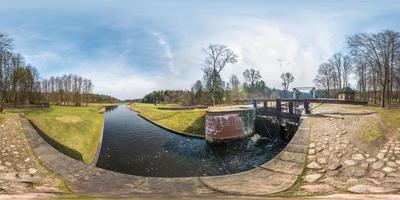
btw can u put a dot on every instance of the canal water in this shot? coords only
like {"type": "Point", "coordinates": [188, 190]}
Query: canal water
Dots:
{"type": "Point", "coordinates": [135, 146]}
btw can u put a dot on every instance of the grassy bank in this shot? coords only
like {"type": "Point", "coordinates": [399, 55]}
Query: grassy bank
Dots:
{"type": "Point", "coordinates": [185, 121]}
{"type": "Point", "coordinates": [391, 117]}
{"type": "Point", "coordinates": [74, 131]}
{"type": "Point", "coordinates": [387, 126]}
{"type": "Point", "coordinates": [371, 132]}
{"type": "Point", "coordinates": [2, 117]}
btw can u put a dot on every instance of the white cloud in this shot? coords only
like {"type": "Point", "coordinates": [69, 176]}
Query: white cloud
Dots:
{"type": "Point", "coordinates": [41, 58]}
{"type": "Point", "coordinates": [304, 36]}
{"type": "Point", "coordinates": [115, 78]}
{"type": "Point", "coordinates": [168, 54]}
{"type": "Point", "coordinates": [261, 43]}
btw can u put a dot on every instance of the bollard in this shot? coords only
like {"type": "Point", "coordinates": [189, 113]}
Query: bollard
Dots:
{"type": "Point", "coordinates": [278, 105]}
{"type": "Point", "coordinates": [291, 107]}
{"type": "Point", "coordinates": [307, 107]}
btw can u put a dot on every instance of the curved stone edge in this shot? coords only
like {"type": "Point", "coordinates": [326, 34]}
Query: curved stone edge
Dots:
{"type": "Point", "coordinates": [76, 174]}
{"type": "Point", "coordinates": [80, 178]}
{"type": "Point", "coordinates": [96, 156]}
{"type": "Point", "coordinates": [85, 179]}
{"type": "Point", "coordinates": [277, 175]}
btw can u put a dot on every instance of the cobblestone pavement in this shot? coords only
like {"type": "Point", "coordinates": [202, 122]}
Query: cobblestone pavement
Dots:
{"type": "Point", "coordinates": [20, 171]}
{"type": "Point", "coordinates": [336, 164]}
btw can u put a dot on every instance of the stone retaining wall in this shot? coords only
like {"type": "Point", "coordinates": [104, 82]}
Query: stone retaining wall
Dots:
{"type": "Point", "coordinates": [276, 175]}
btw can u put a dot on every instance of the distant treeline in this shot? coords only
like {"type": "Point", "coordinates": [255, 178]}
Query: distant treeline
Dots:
{"type": "Point", "coordinates": [71, 90]}
{"type": "Point", "coordinates": [101, 98]}
{"type": "Point", "coordinates": [214, 90]}
{"type": "Point", "coordinates": [201, 97]}
{"type": "Point", "coordinates": [20, 83]}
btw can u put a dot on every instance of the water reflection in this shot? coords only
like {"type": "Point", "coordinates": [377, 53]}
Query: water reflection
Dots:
{"type": "Point", "coordinates": [135, 146]}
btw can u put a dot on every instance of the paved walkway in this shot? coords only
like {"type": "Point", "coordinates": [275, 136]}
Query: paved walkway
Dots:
{"type": "Point", "coordinates": [20, 171]}
{"type": "Point", "coordinates": [276, 175]}
{"type": "Point", "coordinates": [339, 160]}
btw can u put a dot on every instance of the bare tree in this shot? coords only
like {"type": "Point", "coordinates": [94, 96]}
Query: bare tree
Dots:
{"type": "Point", "coordinates": [217, 57]}
{"type": "Point", "coordinates": [287, 78]}
{"type": "Point", "coordinates": [380, 50]}
{"type": "Point", "coordinates": [343, 68]}
{"type": "Point", "coordinates": [234, 81]}
{"type": "Point", "coordinates": [337, 61]}
{"type": "Point", "coordinates": [324, 77]}
{"type": "Point", "coordinates": [252, 77]}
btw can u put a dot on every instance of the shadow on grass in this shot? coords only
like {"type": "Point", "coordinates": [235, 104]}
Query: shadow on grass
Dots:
{"type": "Point", "coordinates": [329, 114]}
{"type": "Point", "coordinates": [60, 147]}
{"type": "Point", "coordinates": [341, 113]}
{"type": "Point", "coordinates": [197, 127]}
{"type": "Point", "coordinates": [167, 116]}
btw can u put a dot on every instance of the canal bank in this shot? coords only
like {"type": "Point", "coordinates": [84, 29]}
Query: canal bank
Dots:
{"type": "Point", "coordinates": [135, 146]}
{"type": "Point", "coordinates": [169, 129]}
{"type": "Point", "coordinates": [181, 121]}
{"type": "Point", "coordinates": [96, 156]}
{"type": "Point", "coordinates": [276, 175]}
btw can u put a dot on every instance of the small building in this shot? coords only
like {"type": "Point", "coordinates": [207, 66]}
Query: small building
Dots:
{"type": "Point", "coordinates": [346, 94]}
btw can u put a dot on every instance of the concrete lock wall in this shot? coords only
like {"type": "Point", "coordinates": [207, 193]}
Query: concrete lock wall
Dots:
{"type": "Point", "coordinates": [230, 124]}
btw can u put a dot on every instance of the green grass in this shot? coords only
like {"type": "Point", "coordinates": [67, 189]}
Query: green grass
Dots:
{"type": "Point", "coordinates": [184, 121]}
{"type": "Point", "coordinates": [391, 117]}
{"type": "Point", "coordinates": [75, 131]}
{"type": "Point", "coordinates": [372, 132]}
{"type": "Point", "coordinates": [2, 117]}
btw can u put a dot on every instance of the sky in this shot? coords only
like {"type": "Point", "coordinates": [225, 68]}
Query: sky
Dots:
{"type": "Point", "coordinates": [130, 48]}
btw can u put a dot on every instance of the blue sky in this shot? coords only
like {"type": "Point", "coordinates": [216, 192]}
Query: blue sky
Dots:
{"type": "Point", "coordinates": [130, 48]}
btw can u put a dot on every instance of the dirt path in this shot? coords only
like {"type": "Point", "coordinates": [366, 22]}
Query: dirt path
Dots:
{"type": "Point", "coordinates": [20, 171]}
{"type": "Point", "coordinates": [339, 160]}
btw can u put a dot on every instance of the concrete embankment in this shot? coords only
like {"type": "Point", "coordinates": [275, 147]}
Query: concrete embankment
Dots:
{"type": "Point", "coordinates": [274, 176]}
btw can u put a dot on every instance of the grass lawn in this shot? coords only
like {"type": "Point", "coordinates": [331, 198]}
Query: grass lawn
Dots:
{"type": "Point", "coordinates": [185, 121]}
{"type": "Point", "coordinates": [391, 117]}
{"type": "Point", "coordinates": [2, 117]}
{"type": "Point", "coordinates": [390, 126]}
{"type": "Point", "coordinates": [75, 131]}
{"type": "Point", "coordinates": [371, 132]}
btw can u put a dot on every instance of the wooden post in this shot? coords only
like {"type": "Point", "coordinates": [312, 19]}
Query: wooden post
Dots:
{"type": "Point", "coordinates": [278, 112]}
{"type": "Point", "coordinates": [278, 105]}
{"type": "Point", "coordinates": [265, 104]}
{"type": "Point", "coordinates": [291, 107]}
{"type": "Point", "coordinates": [307, 107]}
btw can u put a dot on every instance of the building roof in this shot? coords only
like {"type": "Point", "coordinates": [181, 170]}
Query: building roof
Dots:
{"type": "Point", "coordinates": [347, 90]}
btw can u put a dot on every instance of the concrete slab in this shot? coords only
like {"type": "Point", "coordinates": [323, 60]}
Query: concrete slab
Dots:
{"type": "Point", "coordinates": [275, 176]}
{"type": "Point", "coordinates": [297, 148]}
{"type": "Point", "coordinates": [292, 156]}
{"type": "Point", "coordinates": [258, 181]}
{"type": "Point", "coordinates": [282, 166]}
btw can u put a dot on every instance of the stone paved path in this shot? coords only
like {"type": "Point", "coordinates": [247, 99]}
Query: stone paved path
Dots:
{"type": "Point", "coordinates": [20, 171]}
{"type": "Point", "coordinates": [335, 164]}
{"type": "Point", "coordinates": [274, 176]}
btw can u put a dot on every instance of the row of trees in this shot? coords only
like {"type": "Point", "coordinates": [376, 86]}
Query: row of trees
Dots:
{"type": "Point", "coordinates": [20, 83]}
{"type": "Point", "coordinates": [216, 58]}
{"type": "Point", "coordinates": [214, 90]}
{"type": "Point", "coordinates": [334, 74]}
{"type": "Point", "coordinates": [69, 90]}
{"type": "Point", "coordinates": [374, 59]}
{"type": "Point", "coordinates": [377, 60]}
{"type": "Point", "coordinates": [168, 96]}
